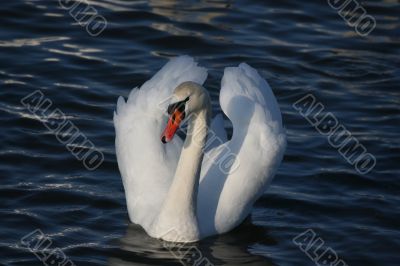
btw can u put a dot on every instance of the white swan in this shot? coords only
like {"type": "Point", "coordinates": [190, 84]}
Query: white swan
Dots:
{"type": "Point", "coordinates": [183, 192]}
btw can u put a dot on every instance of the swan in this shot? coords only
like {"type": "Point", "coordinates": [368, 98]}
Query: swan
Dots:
{"type": "Point", "coordinates": [185, 190]}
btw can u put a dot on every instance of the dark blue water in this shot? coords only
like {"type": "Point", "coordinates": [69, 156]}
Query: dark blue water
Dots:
{"type": "Point", "coordinates": [300, 47]}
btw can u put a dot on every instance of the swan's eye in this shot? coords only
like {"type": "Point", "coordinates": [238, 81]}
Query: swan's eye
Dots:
{"type": "Point", "coordinates": [178, 105]}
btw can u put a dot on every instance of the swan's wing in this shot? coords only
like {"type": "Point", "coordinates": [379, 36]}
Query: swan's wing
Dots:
{"type": "Point", "coordinates": [236, 173]}
{"type": "Point", "coordinates": [217, 133]}
{"type": "Point", "coordinates": [146, 165]}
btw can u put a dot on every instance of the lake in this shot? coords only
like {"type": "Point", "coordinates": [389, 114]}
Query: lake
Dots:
{"type": "Point", "coordinates": [322, 206]}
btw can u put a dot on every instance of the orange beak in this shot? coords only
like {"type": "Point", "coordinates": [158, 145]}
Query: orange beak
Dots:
{"type": "Point", "coordinates": [173, 124]}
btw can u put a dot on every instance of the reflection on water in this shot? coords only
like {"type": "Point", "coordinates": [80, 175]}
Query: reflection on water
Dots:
{"type": "Point", "coordinates": [182, 11]}
{"type": "Point", "coordinates": [300, 47]}
{"type": "Point", "coordinates": [137, 248]}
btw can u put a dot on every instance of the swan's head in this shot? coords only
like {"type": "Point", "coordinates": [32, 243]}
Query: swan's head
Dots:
{"type": "Point", "coordinates": [187, 99]}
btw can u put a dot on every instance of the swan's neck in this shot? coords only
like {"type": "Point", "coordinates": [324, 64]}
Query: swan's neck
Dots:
{"type": "Point", "coordinates": [179, 210]}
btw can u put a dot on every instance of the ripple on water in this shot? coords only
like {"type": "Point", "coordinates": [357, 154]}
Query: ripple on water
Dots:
{"type": "Point", "coordinates": [299, 47]}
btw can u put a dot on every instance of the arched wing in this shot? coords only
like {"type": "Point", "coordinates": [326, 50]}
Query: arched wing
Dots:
{"type": "Point", "coordinates": [146, 165]}
{"type": "Point", "coordinates": [235, 173]}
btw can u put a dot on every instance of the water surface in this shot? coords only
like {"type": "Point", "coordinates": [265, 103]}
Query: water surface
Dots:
{"type": "Point", "coordinates": [300, 47]}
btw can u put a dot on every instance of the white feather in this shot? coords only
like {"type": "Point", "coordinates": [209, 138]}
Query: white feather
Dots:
{"type": "Point", "coordinates": [226, 194]}
{"type": "Point", "coordinates": [146, 165]}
